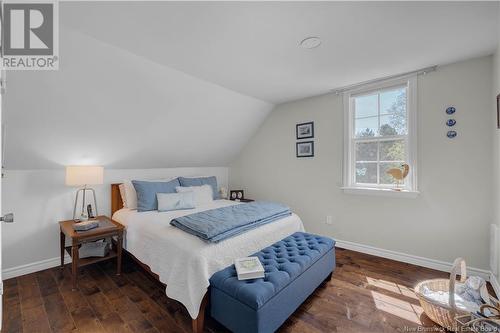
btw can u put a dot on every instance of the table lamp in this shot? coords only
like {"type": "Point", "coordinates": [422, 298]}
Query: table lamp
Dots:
{"type": "Point", "coordinates": [83, 176]}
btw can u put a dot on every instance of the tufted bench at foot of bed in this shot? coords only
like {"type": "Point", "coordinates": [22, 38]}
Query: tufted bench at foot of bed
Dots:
{"type": "Point", "coordinates": [294, 268]}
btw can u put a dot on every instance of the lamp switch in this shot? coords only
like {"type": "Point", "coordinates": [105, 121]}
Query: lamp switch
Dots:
{"type": "Point", "coordinates": [329, 220]}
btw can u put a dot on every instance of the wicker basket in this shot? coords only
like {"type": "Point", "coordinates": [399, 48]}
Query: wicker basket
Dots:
{"type": "Point", "coordinates": [443, 314]}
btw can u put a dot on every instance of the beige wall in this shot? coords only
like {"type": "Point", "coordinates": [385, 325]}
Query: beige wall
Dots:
{"type": "Point", "coordinates": [39, 199]}
{"type": "Point", "coordinates": [496, 135]}
{"type": "Point", "coordinates": [448, 219]}
{"type": "Point", "coordinates": [496, 91]}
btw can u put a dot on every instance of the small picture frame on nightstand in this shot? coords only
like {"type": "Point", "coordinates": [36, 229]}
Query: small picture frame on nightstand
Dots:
{"type": "Point", "coordinates": [236, 195]}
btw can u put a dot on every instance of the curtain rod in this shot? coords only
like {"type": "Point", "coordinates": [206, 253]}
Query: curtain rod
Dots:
{"type": "Point", "coordinates": [397, 76]}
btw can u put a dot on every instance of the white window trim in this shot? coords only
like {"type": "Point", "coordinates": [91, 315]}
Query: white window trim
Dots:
{"type": "Point", "coordinates": [348, 179]}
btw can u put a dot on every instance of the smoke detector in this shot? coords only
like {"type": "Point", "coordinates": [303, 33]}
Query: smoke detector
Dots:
{"type": "Point", "coordinates": [310, 43]}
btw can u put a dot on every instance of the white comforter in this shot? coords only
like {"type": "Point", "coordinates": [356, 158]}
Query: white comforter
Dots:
{"type": "Point", "coordinates": [184, 262]}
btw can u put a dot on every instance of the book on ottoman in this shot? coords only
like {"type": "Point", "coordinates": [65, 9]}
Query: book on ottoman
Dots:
{"type": "Point", "coordinates": [249, 268]}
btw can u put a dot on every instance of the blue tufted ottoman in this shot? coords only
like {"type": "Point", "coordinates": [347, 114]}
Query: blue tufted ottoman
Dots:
{"type": "Point", "coordinates": [294, 268]}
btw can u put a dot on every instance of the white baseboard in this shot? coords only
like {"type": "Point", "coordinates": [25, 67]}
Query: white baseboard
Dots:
{"type": "Point", "coordinates": [33, 267]}
{"type": "Point", "coordinates": [408, 258]}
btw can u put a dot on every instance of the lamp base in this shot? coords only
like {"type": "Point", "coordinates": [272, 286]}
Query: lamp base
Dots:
{"type": "Point", "coordinates": [83, 216]}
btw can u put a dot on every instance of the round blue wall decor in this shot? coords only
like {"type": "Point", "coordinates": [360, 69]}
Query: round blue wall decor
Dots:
{"type": "Point", "coordinates": [450, 110]}
{"type": "Point", "coordinates": [451, 134]}
{"type": "Point", "coordinates": [451, 122]}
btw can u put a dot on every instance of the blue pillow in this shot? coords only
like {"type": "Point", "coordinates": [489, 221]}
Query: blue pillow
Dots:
{"type": "Point", "coordinates": [212, 181]}
{"type": "Point", "coordinates": [146, 192]}
{"type": "Point", "coordinates": [175, 201]}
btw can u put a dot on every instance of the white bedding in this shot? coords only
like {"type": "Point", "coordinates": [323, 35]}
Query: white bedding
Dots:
{"type": "Point", "coordinates": [184, 262]}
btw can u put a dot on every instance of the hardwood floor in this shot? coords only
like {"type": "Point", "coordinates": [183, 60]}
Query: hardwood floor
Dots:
{"type": "Point", "coordinates": [365, 294]}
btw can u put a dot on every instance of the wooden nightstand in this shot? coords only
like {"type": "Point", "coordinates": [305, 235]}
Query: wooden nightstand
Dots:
{"type": "Point", "coordinates": [107, 228]}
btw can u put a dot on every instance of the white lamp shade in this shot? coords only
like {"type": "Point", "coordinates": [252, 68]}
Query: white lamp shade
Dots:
{"type": "Point", "coordinates": [84, 175]}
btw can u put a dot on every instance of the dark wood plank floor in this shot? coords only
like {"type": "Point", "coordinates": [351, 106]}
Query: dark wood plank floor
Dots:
{"type": "Point", "coordinates": [365, 294]}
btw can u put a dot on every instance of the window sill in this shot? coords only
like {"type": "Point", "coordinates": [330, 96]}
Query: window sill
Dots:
{"type": "Point", "coordinates": [381, 192]}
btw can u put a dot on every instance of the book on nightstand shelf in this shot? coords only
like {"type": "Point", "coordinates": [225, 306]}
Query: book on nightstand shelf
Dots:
{"type": "Point", "coordinates": [248, 268]}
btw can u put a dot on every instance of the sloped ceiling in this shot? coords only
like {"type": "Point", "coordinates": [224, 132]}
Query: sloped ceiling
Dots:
{"type": "Point", "coordinates": [251, 47]}
{"type": "Point", "coordinates": [108, 106]}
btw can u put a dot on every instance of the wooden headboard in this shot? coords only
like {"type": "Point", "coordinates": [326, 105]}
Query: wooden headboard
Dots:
{"type": "Point", "coordinates": [116, 198]}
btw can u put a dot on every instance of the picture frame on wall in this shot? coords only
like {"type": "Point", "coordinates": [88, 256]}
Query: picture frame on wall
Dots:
{"type": "Point", "coordinates": [305, 130]}
{"type": "Point", "coordinates": [498, 111]}
{"type": "Point", "coordinates": [305, 149]}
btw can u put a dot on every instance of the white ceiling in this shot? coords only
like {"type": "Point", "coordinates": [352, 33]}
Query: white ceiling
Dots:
{"type": "Point", "coordinates": [155, 84]}
{"type": "Point", "coordinates": [252, 48]}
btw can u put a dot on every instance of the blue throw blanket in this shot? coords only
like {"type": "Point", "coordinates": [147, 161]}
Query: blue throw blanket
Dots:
{"type": "Point", "coordinates": [218, 224]}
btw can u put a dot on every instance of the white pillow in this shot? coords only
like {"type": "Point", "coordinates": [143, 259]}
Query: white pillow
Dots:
{"type": "Point", "coordinates": [130, 195]}
{"type": "Point", "coordinates": [175, 201]}
{"type": "Point", "coordinates": [122, 195]}
{"type": "Point", "coordinates": [202, 194]}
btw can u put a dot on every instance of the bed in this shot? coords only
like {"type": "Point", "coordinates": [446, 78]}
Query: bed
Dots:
{"type": "Point", "coordinates": [183, 262]}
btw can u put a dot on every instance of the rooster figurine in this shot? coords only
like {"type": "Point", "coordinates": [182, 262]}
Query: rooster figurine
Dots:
{"type": "Point", "coordinates": [399, 174]}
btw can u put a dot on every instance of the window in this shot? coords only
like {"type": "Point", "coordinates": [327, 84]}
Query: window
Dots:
{"type": "Point", "coordinates": [380, 135]}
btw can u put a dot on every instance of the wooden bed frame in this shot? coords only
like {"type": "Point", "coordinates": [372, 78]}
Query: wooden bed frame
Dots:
{"type": "Point", "coordinates": [117, 204]}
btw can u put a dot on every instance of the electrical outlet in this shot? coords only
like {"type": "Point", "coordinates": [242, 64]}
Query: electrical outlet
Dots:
{"type": "Point", "coordinates": [329, 220]}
